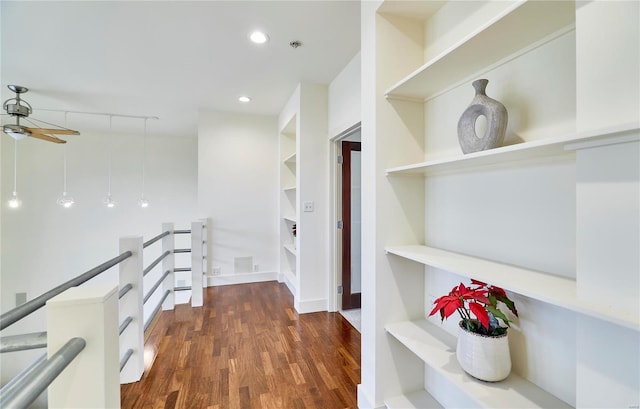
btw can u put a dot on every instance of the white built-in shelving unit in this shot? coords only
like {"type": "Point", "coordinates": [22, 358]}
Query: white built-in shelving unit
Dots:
{"type": "Point", "coordinates": [288, 201]}
{"type": "Point", "coordinates": [442, 217]}
{"type": "Point", "coordinates": [304, 180]}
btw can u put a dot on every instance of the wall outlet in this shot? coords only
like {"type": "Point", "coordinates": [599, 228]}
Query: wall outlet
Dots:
{"type": "Point", "coordinates": [217, 271]}
{"type": "Point", "coordinates": [308, 206]}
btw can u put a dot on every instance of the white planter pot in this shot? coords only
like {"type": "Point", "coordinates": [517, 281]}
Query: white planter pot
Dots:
{"type": "Point", "coordinates": [483, 357]}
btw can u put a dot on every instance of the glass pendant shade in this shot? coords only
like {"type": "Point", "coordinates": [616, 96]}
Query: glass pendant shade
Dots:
{"type": "Point", "coordinates": [14, 202]}
{"type": "Point", "coordinates": [110, 202]}
{"type": "Point", "coordinates": [65, 200]}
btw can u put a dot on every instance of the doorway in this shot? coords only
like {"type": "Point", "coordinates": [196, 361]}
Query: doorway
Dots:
{"type": "Point", "coordinates": [351, 225]}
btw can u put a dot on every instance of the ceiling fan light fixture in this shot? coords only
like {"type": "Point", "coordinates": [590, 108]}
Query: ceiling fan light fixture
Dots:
{"type": "Point", "coordinates": [258, 37]}
{"type": "Point", "coordinates": [144, 203]}
{"type": "Point", "coordinates": [17, 132]}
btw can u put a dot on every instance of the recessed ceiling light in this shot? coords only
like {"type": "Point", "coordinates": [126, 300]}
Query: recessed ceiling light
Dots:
{"type": "Point", "coordinates": [258, 37]}
{"type": "Point", "coordinates": [244, 99]}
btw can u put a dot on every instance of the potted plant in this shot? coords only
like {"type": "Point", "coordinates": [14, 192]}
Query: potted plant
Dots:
{"type": "Point", "coordinates": [483, 346]}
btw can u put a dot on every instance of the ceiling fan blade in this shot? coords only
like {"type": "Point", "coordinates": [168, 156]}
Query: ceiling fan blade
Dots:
{"type": "Point", "coordinates": [42, 131]}
{"type": "Point", "coordinates": [48, 138]}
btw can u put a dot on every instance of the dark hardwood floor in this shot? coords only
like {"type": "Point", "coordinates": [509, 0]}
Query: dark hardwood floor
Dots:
{"type": "Point", "coordinates": [247, 348]}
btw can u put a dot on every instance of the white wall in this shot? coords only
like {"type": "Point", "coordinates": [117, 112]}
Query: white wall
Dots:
{"type": "Point", "coordinates": [344, 98]}
{"type": "Point", "coordinates": [238, 188]}
{"type": "Point", "coordinates": [344, 112]}
{"type": "Point", "coordinates": [45, 245]}
{"type": "Point", "coordinates": [313, 186]}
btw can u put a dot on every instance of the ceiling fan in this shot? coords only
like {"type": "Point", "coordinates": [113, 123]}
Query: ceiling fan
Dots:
{"type": "Point", "coordinates": [19, 108]}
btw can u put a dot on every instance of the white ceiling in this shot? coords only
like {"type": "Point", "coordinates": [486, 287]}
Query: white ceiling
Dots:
{"type": "Point", "coordinates": [169, 59]}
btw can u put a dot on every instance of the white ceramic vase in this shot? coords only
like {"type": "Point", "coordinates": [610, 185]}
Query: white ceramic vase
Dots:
{"type": "Point", "coordinates": [483, 357]}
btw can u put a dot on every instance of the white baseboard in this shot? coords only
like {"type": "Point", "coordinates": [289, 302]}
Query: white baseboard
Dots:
{"type": "Point", "coordinates": [229, 279]}
{"type": "Point", "coordinates": [306, 306]}
{"type": "Point", "coordinates": [289, 282]}
{"type": "Point", "coordinates": [363, 400]}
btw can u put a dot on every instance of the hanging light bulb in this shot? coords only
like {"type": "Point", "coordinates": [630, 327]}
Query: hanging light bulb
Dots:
{"type": "Point", "coordinates": [144, 203]}
{"type": "Point", "coordinates": [65, 200]}
{"type": "Point", "coordinates": [109, 201]}
{"type": "Point", "coordinates": [15, 202]}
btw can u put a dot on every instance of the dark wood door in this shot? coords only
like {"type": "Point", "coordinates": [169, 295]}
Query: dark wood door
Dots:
{"type": "Point", "coordinates": [350, 296]}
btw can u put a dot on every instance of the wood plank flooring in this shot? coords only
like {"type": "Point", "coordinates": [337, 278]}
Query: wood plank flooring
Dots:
{"type": "Point", "coordinates": [247, 348]}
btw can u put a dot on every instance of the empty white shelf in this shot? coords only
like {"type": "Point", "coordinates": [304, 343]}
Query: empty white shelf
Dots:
{"type": "Point", "coordinates": [289, 219]}
{"type": "Point", "coordinates": [524, 22]}
{"type": "Point", "coordinates": [525, 150]}
{"type": "Point", "coordinates": [436, 348]}
{"type": "Point", "coordinates": [417, 400]}
{"type": "Point", "coordinates": [290, 159]}
{"type": "Point", "coordinates": [289, 189]}
{"type": "Point", "coordinates": [538, 285]}
{"type": "Point", "coordinates": [290, 249]}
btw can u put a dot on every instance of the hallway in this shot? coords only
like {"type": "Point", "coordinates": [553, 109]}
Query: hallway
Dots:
{"type": "Point", "coordinates": [248, 348]}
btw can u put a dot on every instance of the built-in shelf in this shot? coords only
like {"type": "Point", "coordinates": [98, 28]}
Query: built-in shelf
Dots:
{"type": "Point", "coordinates": [436, 348]}
{"type": "Point", "coordinates": [289, 189]}
{"type": "Point", "coordinates": [290, 159]}
{"type": "Point", "coordinates": [521, 151]}
{"type": "Point", "coordinates": [538, 285]}
{"type": "Point", "coordinates": [417, 400]}
{"type": "Point", "coordinates": [520, 25]}
{"type": "Point", "coordinates": [291, 249]}
{"type": "Point", "coordinates": [289, 219]}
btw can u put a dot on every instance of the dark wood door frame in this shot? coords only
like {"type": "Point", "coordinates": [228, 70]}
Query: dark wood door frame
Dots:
{"type": "Point", "coordinates": [348, 300]}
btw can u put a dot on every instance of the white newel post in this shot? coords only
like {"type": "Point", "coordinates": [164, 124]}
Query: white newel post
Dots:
{"type": "Point", "coordinates": [196, 264]}
{"type": "Point", "coordinates": [168, 264]}
{"type": "Point", "coordinates": [131, 305]}
{"type": "Point", "coordinates": [91, 379]}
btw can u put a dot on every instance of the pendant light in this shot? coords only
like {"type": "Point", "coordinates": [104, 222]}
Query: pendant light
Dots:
{"type": "Point", "coordinates": [143, 202]}
{"type": "Point", "coordinates": [15, 202]}
{"type": "Point", "coordinates": [65, 200]}
{"type": "Point", "coordinates": [108, 200]}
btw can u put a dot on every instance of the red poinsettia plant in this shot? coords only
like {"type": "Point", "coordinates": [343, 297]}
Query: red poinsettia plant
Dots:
{"type": "Point", "coordinates": [481, 300]}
